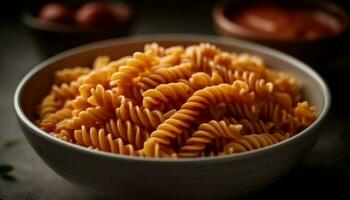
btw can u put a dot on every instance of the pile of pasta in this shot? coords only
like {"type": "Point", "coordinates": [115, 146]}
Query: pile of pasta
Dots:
{"type": "Point", "coordinates": [175, 102]}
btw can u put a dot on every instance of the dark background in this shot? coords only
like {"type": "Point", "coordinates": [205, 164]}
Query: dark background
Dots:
{"type": "Point", "coordinates": [324, 173]}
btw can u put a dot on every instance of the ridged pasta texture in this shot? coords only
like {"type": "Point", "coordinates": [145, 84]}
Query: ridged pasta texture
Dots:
{"type": "Point", "coordinates": [175, 102]}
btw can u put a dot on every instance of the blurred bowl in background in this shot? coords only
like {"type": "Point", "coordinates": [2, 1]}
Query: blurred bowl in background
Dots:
{"type": "Point", "coordinates": [311, 46]}
{"type": "Point", "coordinates": [87, 25]}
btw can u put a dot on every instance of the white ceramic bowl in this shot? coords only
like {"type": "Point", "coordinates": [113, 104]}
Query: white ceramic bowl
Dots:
{"type": "Point", "coordinates": [143, 178]}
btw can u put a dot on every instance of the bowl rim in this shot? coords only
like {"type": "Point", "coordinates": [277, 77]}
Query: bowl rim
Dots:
{"type": "Point", "coordinates": [24, 120]}
{"type": "Point", "coordinates": [222, 22]}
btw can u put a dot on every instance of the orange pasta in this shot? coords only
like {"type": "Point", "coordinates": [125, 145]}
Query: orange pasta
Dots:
{"type": "Point", "coordinates": [175, 102]}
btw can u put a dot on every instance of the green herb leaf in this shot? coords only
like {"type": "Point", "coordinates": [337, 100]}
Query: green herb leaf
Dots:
{"type": "Point", "coordinates": [5, 168]}
{"type": "Point", "coordinates": [11, 143]}
{"type": "Point", "coordinates": [8, 177]}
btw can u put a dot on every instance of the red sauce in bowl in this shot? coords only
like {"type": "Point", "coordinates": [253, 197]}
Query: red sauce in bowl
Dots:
{"type": "Point", "coordinates": [287, 22]}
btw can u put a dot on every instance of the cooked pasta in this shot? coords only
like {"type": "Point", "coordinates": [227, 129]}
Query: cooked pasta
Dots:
{"type": "Point", "coordinates": [166, 94]}
{"type": "Point", "coordinates": [89, 117]}
{"type": "Point", "coordinates": [140, 62]}
{"type": "Point", "coordinates": [262, 88]}
{"type": "Point", "coordinates": [141, 116]}
{"type": "Point", "coordinates": [128, 132]}
{"type": "Point", "coordinates": [66, 91]}
{"type": "Point", "coordinates": [175, 102]}
{"type": "Point", "coordinates": [253, 141]}
{"type": "Point", "coordinates": [164, 75]}
{"type": "Point", "coordinates": [205, 134]}
{"type": "Point", "coordinates": [98, 139]}
{"type": "Point", "coordinates": [67, 75]}
{"type": "Point", "coordinates": [49, 123]}
{"type": "Point", "coordinates": [201, 80]}
{"type": "Point", "coordinates": [101, 61]}
{"type": "Point", "coordinates": [109, 99]}
{"type": "Point", "coordinates": [47, 106]}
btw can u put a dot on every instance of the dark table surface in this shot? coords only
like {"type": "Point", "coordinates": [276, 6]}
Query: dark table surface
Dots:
{"type": "Point", "coordinates": [325, 172]}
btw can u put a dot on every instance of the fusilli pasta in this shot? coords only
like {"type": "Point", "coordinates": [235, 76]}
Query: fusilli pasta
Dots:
{"type": "Point", "coordinates": [175, 102]}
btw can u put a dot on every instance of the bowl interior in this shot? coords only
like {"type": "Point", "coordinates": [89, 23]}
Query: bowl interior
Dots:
{"type": "Point", "coordinates": [37, 83]}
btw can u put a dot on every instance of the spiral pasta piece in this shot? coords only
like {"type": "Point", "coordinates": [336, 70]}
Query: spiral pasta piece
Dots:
{"type": "Point", "coordinates": [200, 56]}
{"type": "Point", "coordinates": [174, 50]}
{"type": "Point", "coordinates": [101, 61]}
{"type": "Point", "coordinates": [118, 147]}
{"type": "Point", "coordinates": [49, 123]}
{"type": "Point", "coordinates": [254, 141]}
{"type": "Point", "coordinates": [70, 74]}
{"type": "Point", "coordinates": [260, 86]}
{"type": "Point", "coordinates": [128, 132]}
{"type": "Point", "coordinates": [241, 62]}
{"type": "Point", "coordinates": [164, 94]}
{"type": "Point", "coordinates": [64, 135]}
{"type": "Point", "coordinates": [251, 126]}
{"type": "Point", "coordinates": [159, 151]}
{"type": "Point", "coordinates": [171, 59]}
{"type": "Point", "coordinates": [284, 100]}
{"type": "Point", "coordinates": [154, 78]}
{"type": "Point", "coordinates": [255, 127]}
{"type": "Point", "coordinates": [201, 80]}
{"type": "Point", "coordinates": [286, 83]}
{"type": "Point", "coordinates": [165, 75]}
{"type": "Point", "coordinates": [134, 66]}
{"type": "Point", "coordinates": [98, 139]}
{"type": "Point", "coordinates": [66, 91]}
{"type": "Point", "coordinates": [141, 116]}
{"type": "Point", "coordinates": [100, 77]}
{"type": "Point", "coordinates": [48, 106]}
{"type": "Point", "coordinates": [305, 113]}
{"type": "Point", "coordinates": [205, 135]}
{"type": "Point", "coordinates": [109, 99]}
{"type": "Point", "coordinates": [276, 114]}
{"type": "Point", "coordinates": [92, 137]}
{"type": "Point", "coordinates": [80, 103]}
{"type": "Point", "coordinates": [154, 49]}
{"type": "Point", "coordinates": [90, 117]}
